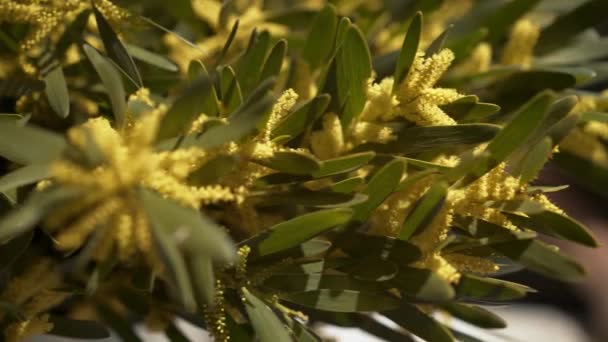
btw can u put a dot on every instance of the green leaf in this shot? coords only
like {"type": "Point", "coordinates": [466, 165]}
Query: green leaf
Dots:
{"type": "Point", "coordinates": [383, 247]}
{"type": "Point", "coordinates": [348, 163]}
{"type": "Point", "coordinates": [28, 144]}
{"type": "Point", "coordinates": [230, 90]}
{"type": "Point", "coordinates": [291, 233]}
{"type": "Point", "coordinates": [320, 40]}
{"type": "Point", "coordinates": [26, 216]}
{"type": "Point", "coordinates": [353, 69]}
{"type": "Point", "coordinates": [592, 176]}
{"type": "Point", "coordinates": [343, 300]}
{"type": "Point", "coordinates": [556, 225]}
{"type": "Point", "coordinates": [198, 97]}
{"type": "Point", "coordinates": [151, 58]}
{"type": "Point", "coordinates": [202, 277]}
{"type": "Point", "coordinates": [424, 211]}
{"type": "Point", "coordinates": [213, 170]}
{"type": "Point", "coordinates": [229, 40]}
{"type": "Point", "coordinates": [422, 139]}
{"type": "Point", "coordinates": [272, 66]}
{"type": "Point", "coordinates": [499, 23]}
{"type": "Point", "coordinates": [420, 324]}
{"type": "Point", "coordinates": [297, 121]}
{"type": "Point", "coordinates": [292, 162]}
{"type": "Point", "coordinates": [78, 329]}
{"type": "Point", "coordinates": [464, 45]}
{"type": "Point", "coordinates": [469, 110]}
{"type": "Point", "coordinates": [380, 186]}
{"type": "Point", "coordinates": [115, 49]}
{"type": "Point", "coordinates": [422, 284]}
{"type": "Point", "coordinates": [112, 82]}
{"type": "Point", "coordinates": [249, 66]}
{"type": "Point", "coordinates": [23, 176]}
{"type": "Point", "coordinates": [489, 289]}
{"type": "Point", "coordinates": [409, 49]}
{"type": "Point", "coordinates": [268, 327]}
{"type": "Point", "coordinates": [542, 258]}
{"type": "Point", "coordinates": [567, 26]}
{"type": "Point", "coordinates": [475, 315]}
{"type": "Point", "coordinates": [309, 198]}
{"type": "Point", "coordinates": [437, 44]}
{"type": "Point", "coordinates": [56, 90]}
{"type": "Point", "coordinates": [348, 185]}
{"type": "Point", "coordinates": [519, 87]}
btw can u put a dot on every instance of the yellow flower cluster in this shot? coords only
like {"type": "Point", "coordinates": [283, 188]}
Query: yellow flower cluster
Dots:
{"type": "Point", "coordinates": [35, 292]}
{"type": "Point", "coordinates": [110, 188]}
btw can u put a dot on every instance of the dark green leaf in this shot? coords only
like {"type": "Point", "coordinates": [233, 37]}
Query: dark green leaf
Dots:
{"type": "Point", "coordinates": [249, 66]}
{"type": "Point", "coordinates": [320, 40]}
{"type": "Point", "coordinates": [112, 82]}
{"type": "Point", "coordinates": [343, 164]}
{"type": "Point", "coordinates": [115, 49]}
{"type": "Point", "coordinates": [422, 284]}
{"type": "Point", "coordinates": [542, 258]}
{"type": "Point", "coordinates": [268, 327]}
{"type": "Point", "coordinates": [230, 90]}
{"type": "Point", "coordinates": [380, 186]}
{"type": "Point", "coordinates": [438, 43]}
{"type": "Point", "coordinates": [213, 170]}
{"type": "Point", "coordinates": [56, 90]}
{"type": "Point", "coordinates": [412, 319]}
{"type": "Point", "coordinates": [424, 211]}
{"type": "Point", "coordinates": [272, 66]}
{"type": "Point", "coordinates": [26, 175]}
{"type": "Point", "coordinates": [292, 162]}
{"type": "Point", "coordinates": [384, 247]}
{"type": "Point", "coordinates": [555, 224]}
{"type": "Point", "coordinates": [297, 121]}
{"type": "Point", "coordinates": [475, 315]}
{"type": "Point", "coordinates": [290, 283]}
{"type": "Point", "coordinates": [409, 49]}
{"type": "Point", "coordinates": [28, 144]}
{"type": "Point", "coordinates": [151, 58]}
{"type": "Point", "coordinates": [17, 87]}
{"type": "Point", "coordinates": [309, 198]}
{"type": "Point", "coordinates": [302, 228]}
{"type": "Point", "coordinates": [473, 287]}
{"type": "Point", "coordinates": [78, 329]}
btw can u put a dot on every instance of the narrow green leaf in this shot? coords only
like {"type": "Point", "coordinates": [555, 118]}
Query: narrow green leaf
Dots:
{"type": "Point", "coordinates": [112, 82]}
{"type": "Point", "coordinates": [535, 160]}
{"type": "Point", "coordinates": [309, 198]}
{"type": "Point", "coordinates": [320, 40]}
{"type": "Point", "coordinates": [475, 315]}
{"type": "Point", "coordinates": [151, 58]}
{"type": "Point", "coordinates": [28, 144]}
{"type": "Point", "coordinates": [343, 164]}
{"type": "Point", "coordinates": [272, 66]}
{"type": "Point", "coordinates": [542, 258]}
{"type": "Point", "coordinates": [343, 300]}
{"type": "Point", "coordinates": [249, 66]}
{"type": "Point", "coordinates": [438, 43]}
{"type": "Point", "coordinates": [422, 284]}
{"type": "Point", "coordinates": [26, 175]}
{"type": "Point", "coordinates": [348, 185]}
{"type": "Point", "coordinates": [230, 90]}
{"type": "Point", "coordinates": [290, 283]}
{"type": "Point", "coordinates": [213, 170]}
{"type": "Point", "coordinates": [382, 247]}
{"type": "Point", "coordinates": [297, 121]}
{"type": "Point", "coordinates": [424, 211]}
{"type": "Point", "coordinates": [229, 40]}
{"type": "Point", "coordinates": [302, 228]}
{"type": "Point", "coordinates": [409, 49]}
{"type": "Point", "coordinates": [56, 90]}
{"type": "Point", "coordinates": [203, 279]}
{"type": "Point", "coordinates": [292, 162]}
{"type": "Point", "coordinates": [557, 225]}
{"type": "Point", "coordinates": [380, 186]}
{"type": "Point", "coordinates": [115, 49]}
{"type": "Point", "coordinates": [420, 324]}
{"type": "Point", "coordinates": [474, 287]}
{"type": "Point", "coordinates": [268, 327]}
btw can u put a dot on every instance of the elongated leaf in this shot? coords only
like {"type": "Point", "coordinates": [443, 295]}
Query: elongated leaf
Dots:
{"type": "Point", "coordinates": [28, 144]}
{"type": "Point", "coordinates": [249, 66]}
{"type": "Point", "coordinates": [343, 164]}
{"type": "Point", "coordinates": [203, 279]}
{"type": "Point", "coordinates": [348, 185]}
{"type": "Point", "coordinates": [571, 24]}
{"type": "Point", "coordinates": [380, 186]}
{"type": "Point", "coordinates": [311, 282]}
{"type": "Point", "coordinates": [424, 211]}
{"type": "Point", "coordinates": [437, 44]}
{"type": "Point", "coordinates": [302, 228]}
{"type": "Point", "coordinates": [151, 58]}
{"type": "Point", "coordinates": [475, 315]}
{"type": "Point", "coordinates": [230, 90]}
{"type": "Point", "coordinates": [353, 69]}
{"type": "Point", "coordinates": [308, 198]}
{"type": "Point", "coordinates": [519, 87]}
{"type": "Point", "coordinates": [422, 284]}
{"type": "Point", "coordinates": [502, 19]}
{"type": "Point", "coordinates": [422, 139]}
{"type": "Point", "coordinates": [115, 49]}
{"type": "Point", "coordinates": [294, 163]}
{"type": "Point", "coordinates": [535, 160]}
{"type": "Point", "coordinates": [557, 225]}
{"type": "Point", "coordinates": [320, 40]}
{"type": "Point", "coordinates": [26, 216]}
{"type": "Point", "coordinates": [213, 170]}
{"type": "Point", "coordinates": [26, 175]}
{"type": "Point", "coordinates": [409, 49]}
{"type": "Point", "coordinates": [297, 121]}
{"type": "Point", "coordinates": [272, 66]}
{"type": "Point", "coordinates": [112, 82]}
{"type": "Point", "coordinates": [383, 247]}
{"type": "Point", "coordinates": [268, 327]}
{"type": "Point", "coordinates": [343, 300]}
{"type": "Point", "coordinates": [542, 258]}
{"type": "Point", "coordinates": [420, 324]}
{"type": "Point", "coordinates": [475, 287]}
{"type": "Point", "coordinates": [57, 91]}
